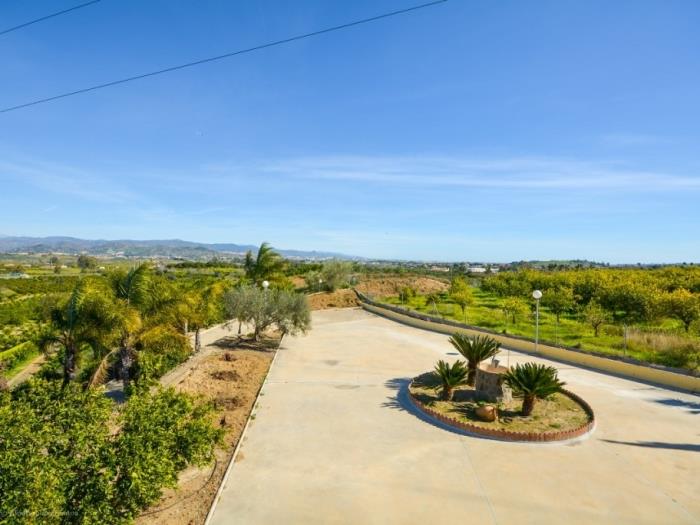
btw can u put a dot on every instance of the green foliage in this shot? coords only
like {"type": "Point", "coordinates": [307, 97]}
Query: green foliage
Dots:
{"type": "Point", "coordinates": [336, 274]}
{"type": "Point", "coordinates": [87, 318]}
{"type": "Point", "coordinates": [57, 462]}
{"type": "Point", "coordinates": [513, 308]}
{"type": "Point", "coordinates": [68, 457]}
{"type": "Point", "coordinates": [288, 311]}
{"type": "Point", "coordinates": [85, 262]}
{"type": "Point", "coordinates": [16, 355]}
{"type": "Point", "coordinates": [313, 280]}
{"type": "Point", "coordinates": [161, 349]}
{"type": "Point", "coordinates": [533, 381]}
{"type": "Point", "coordinates": [682, 305]}
{"type": "Point", "coordinates": [267, 265]}
{"type": "Point", "coordinates": [461, 294]}
{"type": "Point", "coordinates": [595, 315]}
{"type": "Point", "coordinates": [406, 293]}
{"type": "Point", "coordinates": [162, 433]}
{"type": "Point", "coordinates": [559, 300]}
{"type": "Point", "coordinates": [450, 376]}
{"type": "Point", "coordinates": [474, 350]}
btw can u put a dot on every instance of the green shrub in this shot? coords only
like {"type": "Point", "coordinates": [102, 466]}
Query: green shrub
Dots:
{"type": "Point", "coordinates": [161, 349]}
{"type": "Point", "coordinates": [69, 456]}
{"type": "Point", "coordinates": [11, 358]}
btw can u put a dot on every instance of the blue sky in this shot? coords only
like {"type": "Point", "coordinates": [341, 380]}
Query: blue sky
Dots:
{"type": "Point", "coordinates": [473, 130]}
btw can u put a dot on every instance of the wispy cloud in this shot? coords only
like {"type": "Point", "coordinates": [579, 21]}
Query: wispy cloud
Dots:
{"type": "Point", "coordinates": [66, 180]}
{"type": "Point", "coordinates": [497, 173]}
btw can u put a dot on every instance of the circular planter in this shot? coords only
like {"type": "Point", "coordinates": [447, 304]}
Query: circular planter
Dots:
{"type": "Point", "coordinates": [509, 435]}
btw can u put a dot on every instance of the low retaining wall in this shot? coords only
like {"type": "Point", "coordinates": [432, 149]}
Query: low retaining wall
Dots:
{"type": "Point", "coordinates": [619, 367]}
{"type": "Point", "coordinates": [507, 435]}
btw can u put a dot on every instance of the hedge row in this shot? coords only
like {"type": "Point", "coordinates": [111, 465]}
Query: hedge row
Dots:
{"type": "Point", "coordinates": [9, 359]}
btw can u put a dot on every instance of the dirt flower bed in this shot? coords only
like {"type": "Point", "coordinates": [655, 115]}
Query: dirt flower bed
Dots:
{"type": "Point", "coordinates": [558, 413]}
{"type": "Point", "coordinates": [230, 376]}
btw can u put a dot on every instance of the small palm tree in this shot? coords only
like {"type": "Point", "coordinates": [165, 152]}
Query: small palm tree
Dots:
{"type": "Point", "coordinates": [450, 377]}
{"type": "Point", "coordinates": [474, 350]}
{"type": "Point", "coordinates": [533, 381]}
{"type": "Point", "coordinates": [266, 265]}
{"type": "Point", "coordinates": [85, 320]}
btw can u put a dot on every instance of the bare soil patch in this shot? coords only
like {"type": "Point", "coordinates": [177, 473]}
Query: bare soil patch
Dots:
{"type": "Point", "coordinates": [344, 298]}
{"type": "Point", "coordinates": [230, 376]}
{"type": "Point", "coordinates": [375, 287]}
{"type": "Point", "coordinates": [390, 286]}
{"type": "Point", "coordinates": [557, 413]}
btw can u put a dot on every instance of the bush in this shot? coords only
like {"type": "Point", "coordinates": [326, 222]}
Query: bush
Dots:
{"type": "Point", "coordinates": [288, 311]}
{"type": "Point", "coordinates": [9, 359]}
{"type": "Point", "coordinates": [161, 349]}
{"type": "Point", "coordinates": [336, 274]}
{"type": "Point", "coordinates": [69, 457]}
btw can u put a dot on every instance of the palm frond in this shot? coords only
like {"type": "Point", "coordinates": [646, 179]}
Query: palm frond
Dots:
{"type": "Point", "coordinates": [99, 376]}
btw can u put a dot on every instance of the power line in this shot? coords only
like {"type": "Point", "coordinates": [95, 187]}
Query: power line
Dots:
{"type": "Point", "coordinates": [4, 32]}
{"type": "Point", "coordinates": [221, 57]}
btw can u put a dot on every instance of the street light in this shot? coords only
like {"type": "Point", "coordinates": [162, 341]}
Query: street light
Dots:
{"type": "Point", "coordinates": [537, 295]}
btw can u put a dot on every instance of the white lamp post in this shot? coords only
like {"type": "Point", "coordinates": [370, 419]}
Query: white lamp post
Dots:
{"type": "Point", "coordinates": [265, 285]}
{"type": "Point", "coordinates": [537, 295]}
{"type": "Point", "coordinates": [320, 282]}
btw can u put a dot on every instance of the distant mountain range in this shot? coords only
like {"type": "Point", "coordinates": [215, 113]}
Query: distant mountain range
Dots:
{"type": "Point", "coordinates": [155, 248]}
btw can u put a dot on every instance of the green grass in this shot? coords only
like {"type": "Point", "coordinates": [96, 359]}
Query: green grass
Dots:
{"type": "Point", "coordinates": [570, 331]}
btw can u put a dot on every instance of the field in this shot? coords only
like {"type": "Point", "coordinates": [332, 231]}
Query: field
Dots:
{"type": "Point", "coordinates": [659, 338]}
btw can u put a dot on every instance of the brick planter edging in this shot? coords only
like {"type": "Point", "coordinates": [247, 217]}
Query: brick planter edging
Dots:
{"type": "Point", "coordinates": [508, 435]}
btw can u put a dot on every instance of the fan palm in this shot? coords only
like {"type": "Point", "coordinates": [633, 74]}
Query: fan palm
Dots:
{"type": "Point", "coordinates": [474, 350]}
{"type": "Point", "coordinates": [450, 377]}
{"type": "Point", "coordinates": [533, 381]}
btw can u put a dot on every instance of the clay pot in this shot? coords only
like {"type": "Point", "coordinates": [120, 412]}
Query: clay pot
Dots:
{"type": "Point", "coordinates": [486, 413]}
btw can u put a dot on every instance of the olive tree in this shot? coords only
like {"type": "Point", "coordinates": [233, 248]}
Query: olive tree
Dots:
{"type": "Point", "coordinates": [336, 274]}
{"type": "Point", "coordinates": [288, 311]}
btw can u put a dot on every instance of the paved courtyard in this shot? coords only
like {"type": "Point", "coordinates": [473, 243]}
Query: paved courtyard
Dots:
{"type": "Point", "coordinates": [334, 442]}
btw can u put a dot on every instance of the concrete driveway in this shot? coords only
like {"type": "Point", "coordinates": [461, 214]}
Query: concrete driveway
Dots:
{"type": "Point", "coordinates": [334, 442]}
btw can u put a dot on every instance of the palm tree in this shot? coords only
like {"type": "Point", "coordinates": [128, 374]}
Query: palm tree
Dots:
{"type": "Point", "coordinates": [474, 350]}
{"type": "Point", "coordinates": [133, 297]}
{"type": "Point", "coordinates": [86, 319]}
{"type": "Point", "coordinates": [533, 381]}
{"type": "Point", "coordinates": [450, 377]}
{"type": "Point", "coordinates": [267, 265]}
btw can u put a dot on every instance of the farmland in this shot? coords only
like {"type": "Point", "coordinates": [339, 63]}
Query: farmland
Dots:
{"type": "Point", "coordinates": [650, 315]}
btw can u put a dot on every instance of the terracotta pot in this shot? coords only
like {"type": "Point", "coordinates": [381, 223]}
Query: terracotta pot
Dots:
{"type": "Point", "coordinates": [486, 413]}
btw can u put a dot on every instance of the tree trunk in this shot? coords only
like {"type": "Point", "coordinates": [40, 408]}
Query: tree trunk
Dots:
{"type": "Point", "coordinates": [447, 392]}
{"type": "Point", "coordinates": [471, 374]}
{"type": "Point", "coordinates": [528, 405]}
{"type": "Point", "coordinates": [69, 363]}
{"type": "Point", "coordinates": [125, 361]}
{"type": "Point", "coordinates": [596, 328]}
{"type": "Point", "coordinates": [197, 341]}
